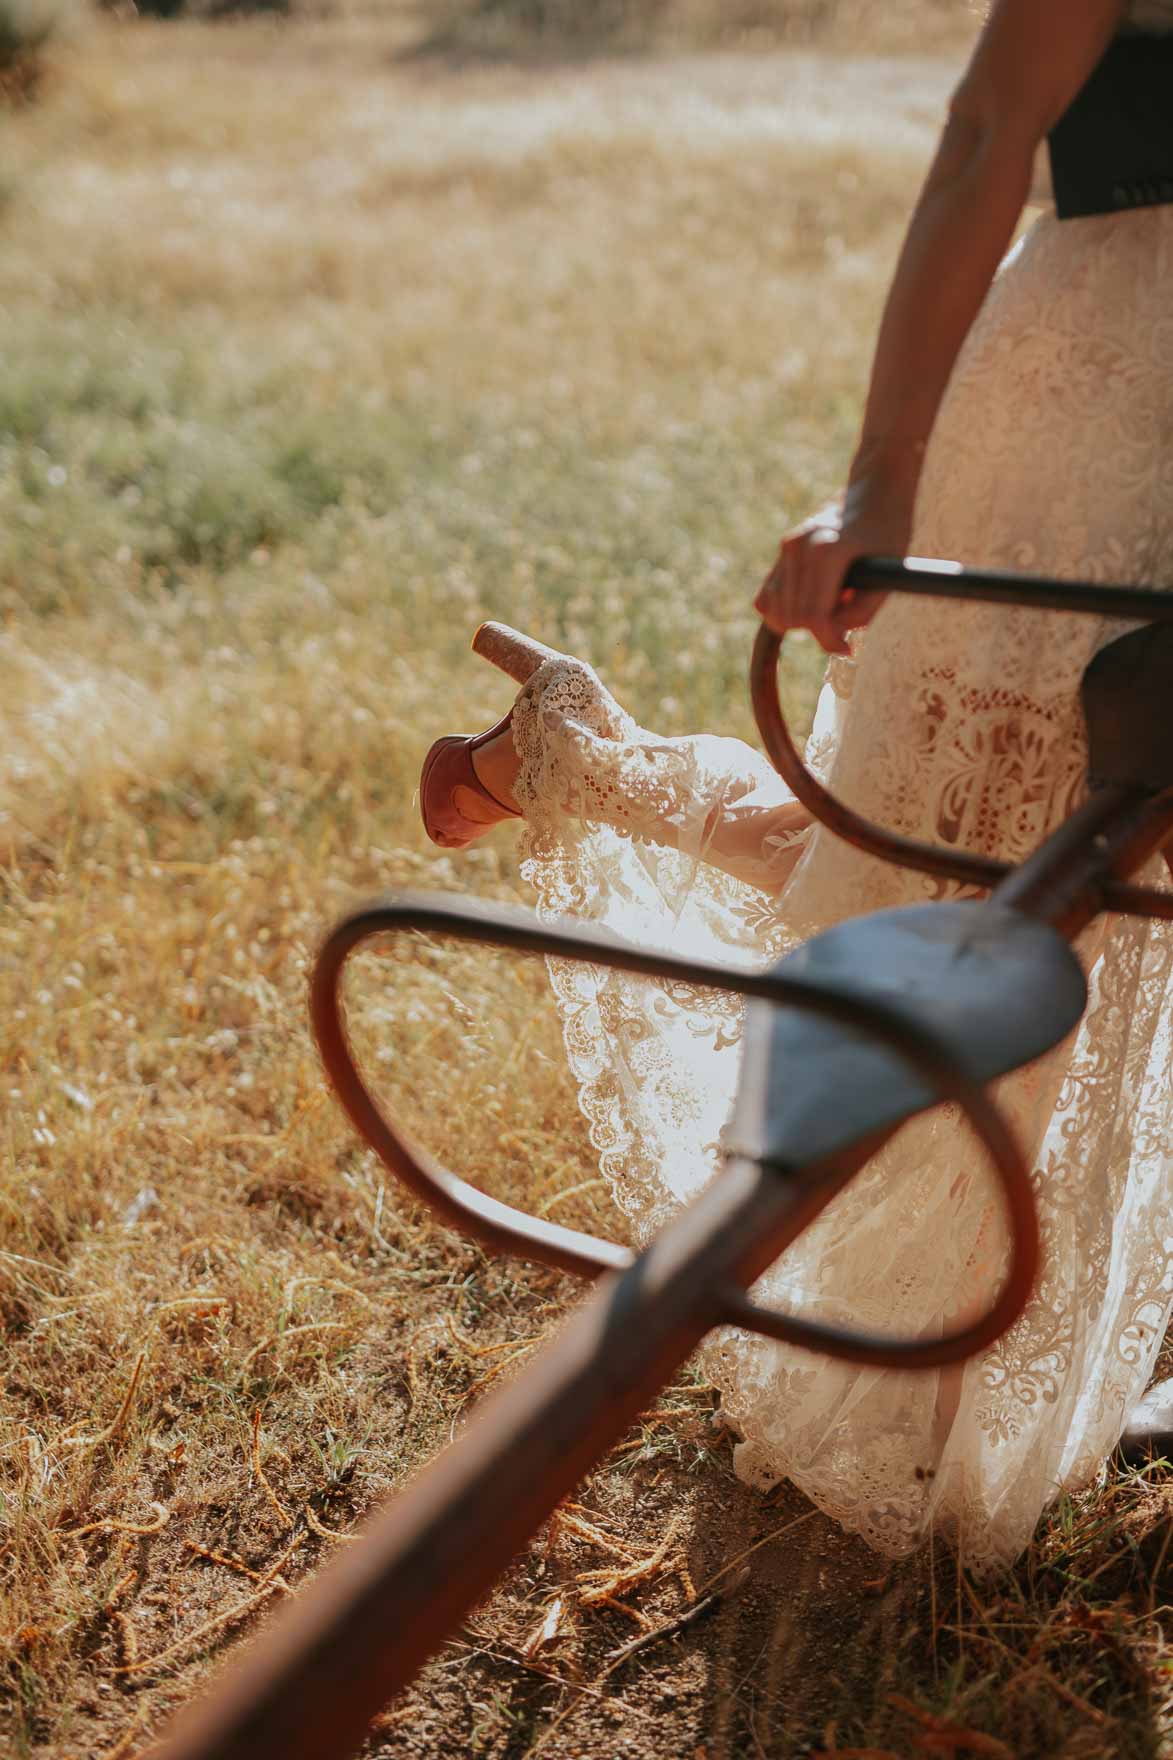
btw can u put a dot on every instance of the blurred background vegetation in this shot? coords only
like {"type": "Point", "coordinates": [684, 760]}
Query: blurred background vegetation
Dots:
{"type": "Point", "coordinates": [497, 27]}
{"type": "Point", "coordinates": [324, 336]}
{"type": "Point", "coordinates": [27, 29]}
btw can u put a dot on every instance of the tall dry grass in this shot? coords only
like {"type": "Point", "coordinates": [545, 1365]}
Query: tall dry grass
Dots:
{"type": "Point", "coordinates": [313, 357]}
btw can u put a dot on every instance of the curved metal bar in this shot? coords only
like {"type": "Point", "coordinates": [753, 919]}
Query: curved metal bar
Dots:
{"type": "Point", "coordinates": [739, 1309]}
{"type": "Point", "coordinates": [836, 815]}
{"type": "Point", "coordinates": [497, 1226]}
{"type": "Point", "coordinates": [506, 1230]}
{"type": "Point", "coordinates": [1128, 900]}
{"type": "Point", "coordinates": [947, 580]}
{"type": "Point", "coordinates": [932, 577]}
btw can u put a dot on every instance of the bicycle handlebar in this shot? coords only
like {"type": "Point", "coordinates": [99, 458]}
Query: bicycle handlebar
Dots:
{"type": "Point", "coordinates": [932, 578]}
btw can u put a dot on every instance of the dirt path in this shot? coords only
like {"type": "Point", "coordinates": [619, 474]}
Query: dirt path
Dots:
{"type": "Point", "coordinates": [806, 1628]}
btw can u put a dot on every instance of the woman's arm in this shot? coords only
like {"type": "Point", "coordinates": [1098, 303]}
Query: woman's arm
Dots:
{"type": "Point", "coordinates": [1032, 58]}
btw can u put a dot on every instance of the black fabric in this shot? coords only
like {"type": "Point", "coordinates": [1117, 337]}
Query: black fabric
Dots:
{"type": "Point", "coordinates": [1113, 147]}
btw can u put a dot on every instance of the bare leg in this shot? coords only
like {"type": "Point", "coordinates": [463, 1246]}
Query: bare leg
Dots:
{"type": "Point", "coordinates": [495, 765]}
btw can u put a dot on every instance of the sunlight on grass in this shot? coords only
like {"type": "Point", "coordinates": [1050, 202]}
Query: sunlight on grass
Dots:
{"type": "Point", "coordinates": [314, 358]}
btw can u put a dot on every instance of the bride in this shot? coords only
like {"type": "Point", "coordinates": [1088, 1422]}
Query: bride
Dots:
{"type": "Point", "coordinates": [1018, 417]}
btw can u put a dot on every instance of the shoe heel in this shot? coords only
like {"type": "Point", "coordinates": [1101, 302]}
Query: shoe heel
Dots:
{"type": "Point", "coordinates": [518, 655]}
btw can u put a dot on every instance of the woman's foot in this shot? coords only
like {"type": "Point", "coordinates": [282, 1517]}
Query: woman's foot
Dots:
{"type": "Point", "coordinates": [495, 765]}
{"type": "Point", "coordinates": [466, 785]}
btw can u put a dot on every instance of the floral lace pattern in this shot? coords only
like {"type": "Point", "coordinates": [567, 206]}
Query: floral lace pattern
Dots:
{"type": "Point", "coordinates": [1052, 453]}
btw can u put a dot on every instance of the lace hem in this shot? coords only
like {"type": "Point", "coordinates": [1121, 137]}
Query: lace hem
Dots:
{"type": "Point", "coordinates": [958, 724]}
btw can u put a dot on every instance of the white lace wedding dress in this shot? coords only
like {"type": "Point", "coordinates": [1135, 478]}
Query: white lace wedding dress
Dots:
{"type": "Point", "coordinates": [1053, 453]}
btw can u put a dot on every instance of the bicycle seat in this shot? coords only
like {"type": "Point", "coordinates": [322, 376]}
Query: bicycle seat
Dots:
{"type": "Point", "coordinates": [994, 988]}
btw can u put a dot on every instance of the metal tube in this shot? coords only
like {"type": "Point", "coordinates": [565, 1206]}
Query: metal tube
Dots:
{"type": "Point", "coordinates": [336, 1655]}
{"type": "Point", "coordinates": [961, 867]}
{"type": "Point", "coordinates": [934, 578]}
{"type": "Point", "coordinates": [1072, 877]}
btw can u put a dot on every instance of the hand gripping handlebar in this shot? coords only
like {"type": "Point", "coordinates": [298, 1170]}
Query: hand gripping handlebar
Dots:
{"type": "Point", "coordinates": [937, 579]}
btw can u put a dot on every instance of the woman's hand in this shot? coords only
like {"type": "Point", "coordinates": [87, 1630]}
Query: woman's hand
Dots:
{"type": "Point", "coordinates": [804, 589]}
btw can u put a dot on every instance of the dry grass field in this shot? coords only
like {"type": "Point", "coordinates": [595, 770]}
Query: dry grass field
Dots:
{"type": "Point", "coordinates": [312, 356]}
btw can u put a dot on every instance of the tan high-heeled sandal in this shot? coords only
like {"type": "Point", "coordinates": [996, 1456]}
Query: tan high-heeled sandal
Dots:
{"type": "Point", "coordinates": [448, 765]}
{"type": "Point", "coordinates": [518, 655]}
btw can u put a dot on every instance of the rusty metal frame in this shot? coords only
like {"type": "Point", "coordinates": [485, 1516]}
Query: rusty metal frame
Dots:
{"type": "Point", "coordinates": [503, 1229]}
{"type": "Point", "coordinates": [943, 580]}
{"type": "Point", "coordinates": [358, 1635]}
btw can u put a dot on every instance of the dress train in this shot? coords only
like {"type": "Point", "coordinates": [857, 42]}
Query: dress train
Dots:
{"type": "Point", "coordinates": [959, 724]}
